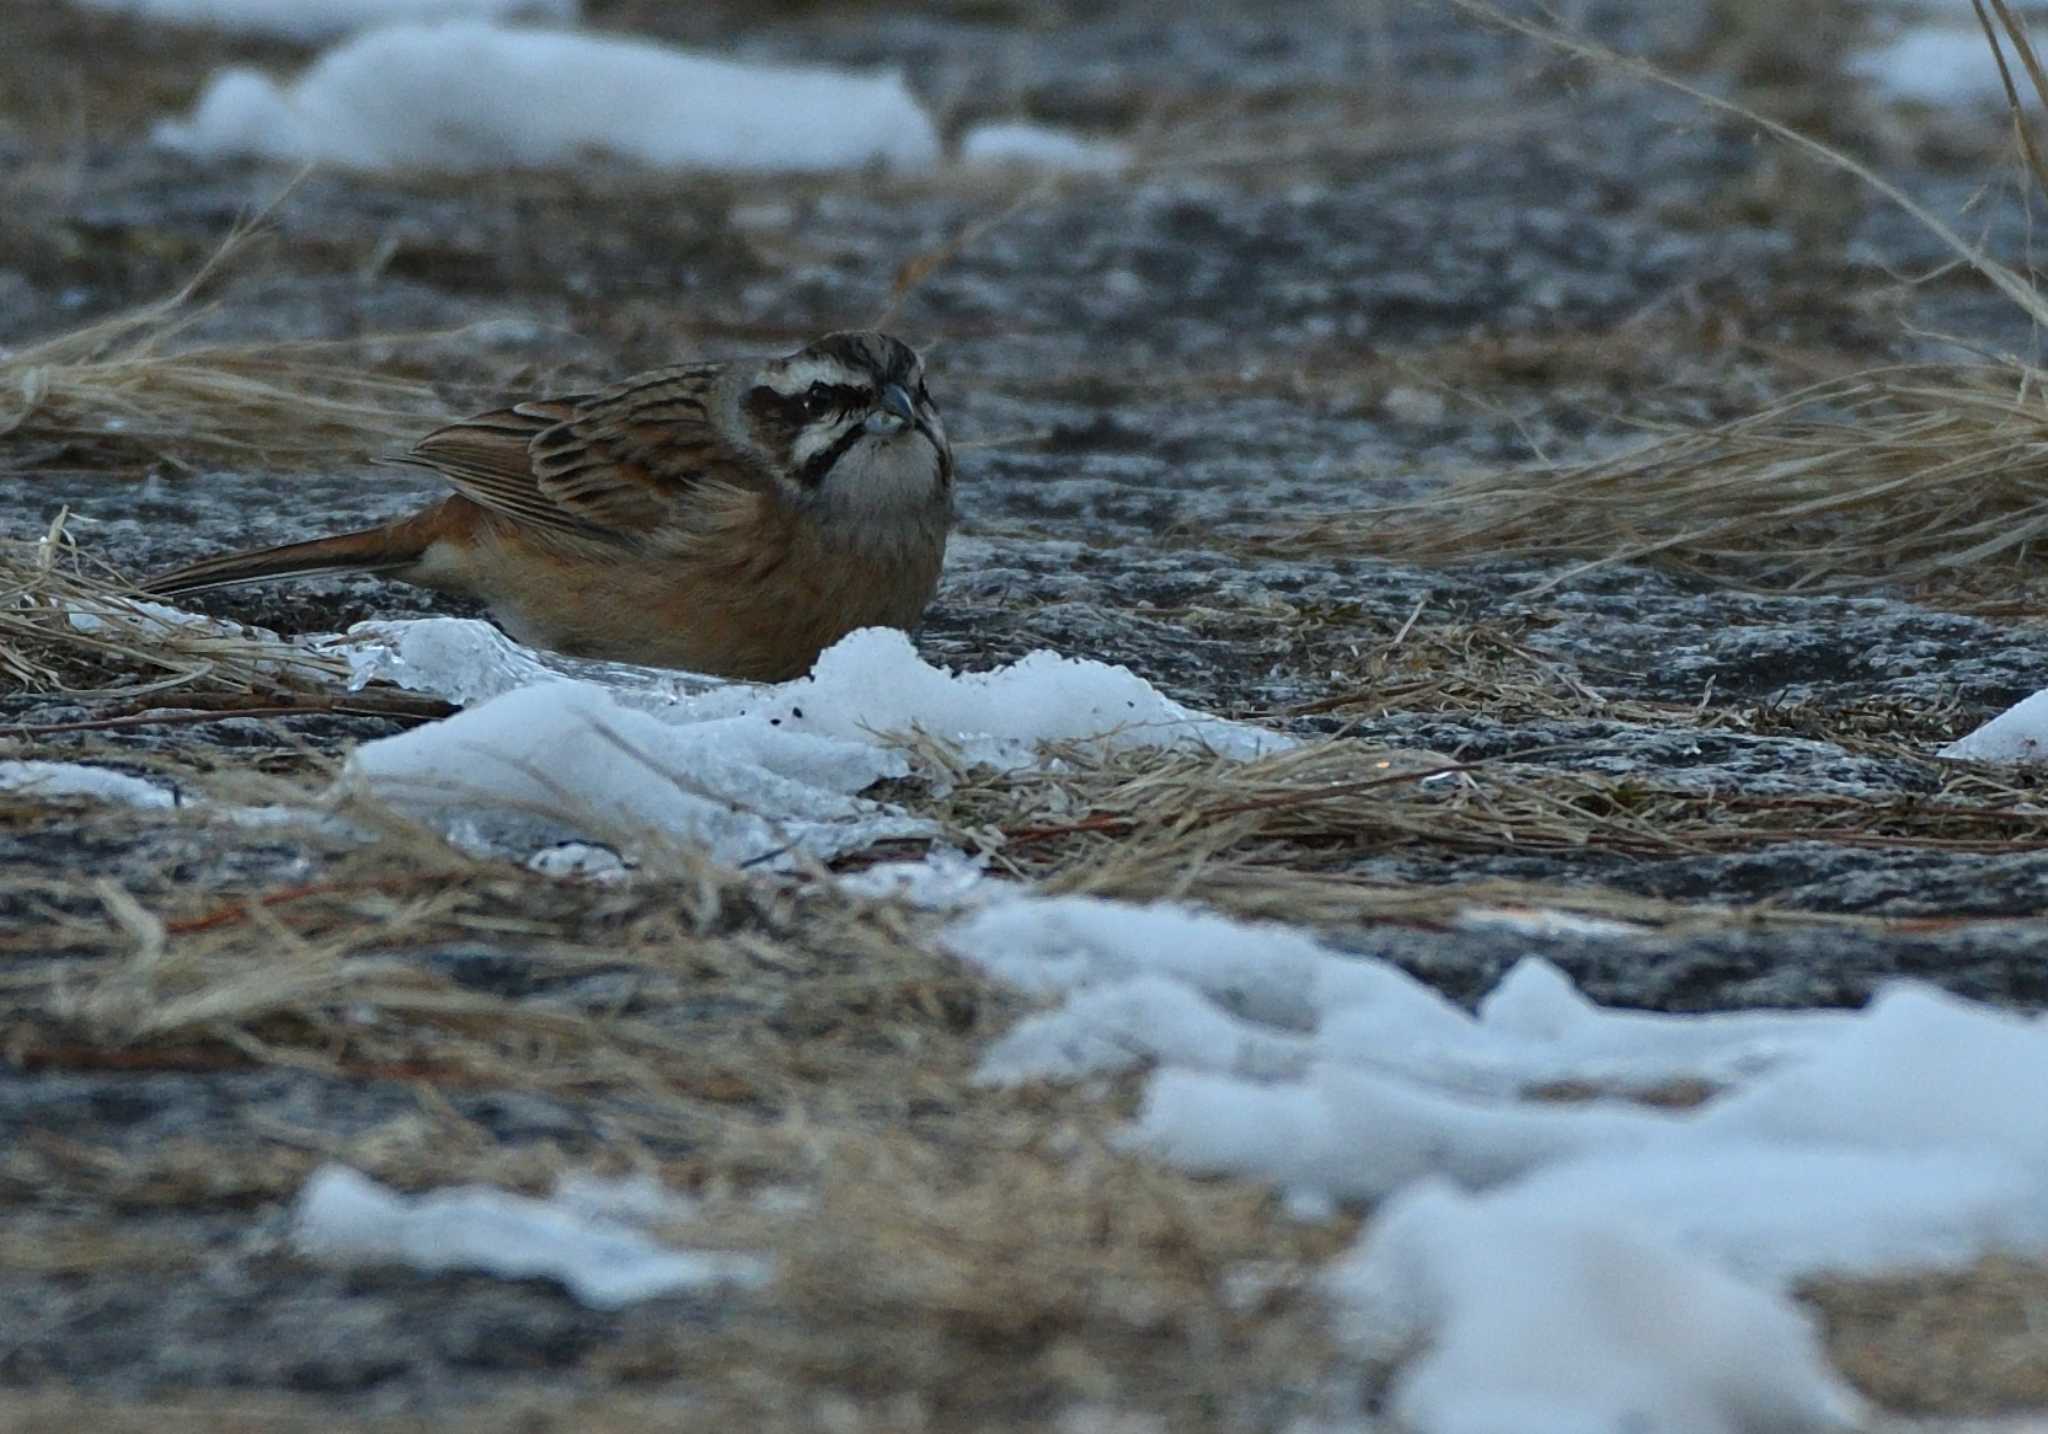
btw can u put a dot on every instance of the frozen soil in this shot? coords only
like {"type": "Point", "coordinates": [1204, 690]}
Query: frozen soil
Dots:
{"type": "Point", "coordinates": [1366, 248]}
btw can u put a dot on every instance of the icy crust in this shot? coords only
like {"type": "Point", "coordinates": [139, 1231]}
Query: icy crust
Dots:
{"type": "Point", "coordinates": [946, 880]}
{"type": "Point", "coordinates": [95, 618]}
{"type": "Point", "coordinates": [565, 758]}
{"type": "Point", "coordinates": [464, 661]}
{"type": "Point", "coordinates": [758, 774]}
{"type": "Point", "coordinates": [1534, 1251]}
{"type": "Point", "coordinates": [465, 95]}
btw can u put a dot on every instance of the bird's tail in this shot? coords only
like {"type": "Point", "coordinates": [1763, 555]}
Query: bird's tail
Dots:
{"type": "Point", "coordinates": [372, 550]}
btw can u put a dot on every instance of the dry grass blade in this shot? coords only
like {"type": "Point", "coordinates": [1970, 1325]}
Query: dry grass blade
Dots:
{"type": "Point", "coordinates": [2016, 33]}
{"type": "Point", "coordinates": [130, 385]}
{"type": "Point", "coordinates": [915, 270]}
{"type": "Point", "coordinates": [1933, 477]}
{"type": "Point", "coordinates": [412, 960]}
{"type": "Point", "coordinates": [69, 627]}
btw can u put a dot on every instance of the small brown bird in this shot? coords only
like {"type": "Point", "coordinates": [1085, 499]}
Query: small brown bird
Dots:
{"type": "Point", "coordinates": [730, 518]}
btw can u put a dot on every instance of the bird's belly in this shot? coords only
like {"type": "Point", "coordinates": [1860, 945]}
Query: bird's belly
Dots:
{"type": "Point", "coordinates": [763, 628]}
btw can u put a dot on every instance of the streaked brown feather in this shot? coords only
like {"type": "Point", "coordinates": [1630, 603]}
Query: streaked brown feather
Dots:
{"type": "Point", "coordinates": [629, 454]}
{"type": "Point", "coordinates": [488, 459]}
{"type": "Point", "coordinates": [615, 461]}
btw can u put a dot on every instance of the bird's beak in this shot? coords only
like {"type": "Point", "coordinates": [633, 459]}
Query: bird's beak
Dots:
{"type": "Point", "coordinates": [896, 413]}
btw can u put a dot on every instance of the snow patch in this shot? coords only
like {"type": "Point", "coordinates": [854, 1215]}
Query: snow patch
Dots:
{"type": "Point", "coordinates": [464, 96]}
{"type": "Point", "coordinates": [2018, 734]}
{"type": "Point", "coordinates": [580, 861]}
{"type": "Point", "coordinates": [311, 20]}
{"type": "Point", "coordinates": [869, 682]}
{"type": "Point", "coordinates": [1531, 1249]}
{"type": "Point", "coordinates": [464, 661]}
{"type": "Point", "coordinates": [943, 881]}
{"type": "Point", "coordinates": [563, 758]}
{"type": "Point", "coordinates": [753, 772]}
{"type": "Point", "coordinates": [1037, 147]}
{"type": "Point", "coordinates": [873, 681]}
{"type": "Point", "coordinates": [585, 1238]}
{"type": "Point", "coordinates": [59, 781]}
{"type": "Point", "coordinates": [1145, 982]}
{"type": "Point", "coordinates": [1552, 1325]}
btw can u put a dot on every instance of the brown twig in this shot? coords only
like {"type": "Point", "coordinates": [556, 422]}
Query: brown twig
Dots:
{"type": "Point", "coordinates": [241, 910]}
{"type": "Point", "coordinates": [221, 707]}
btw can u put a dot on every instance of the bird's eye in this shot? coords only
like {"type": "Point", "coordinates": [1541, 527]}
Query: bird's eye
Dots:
{"type": "Point", "coordinates": [817, 398]}
{"type": "Point", "coordinates": [924, 397]}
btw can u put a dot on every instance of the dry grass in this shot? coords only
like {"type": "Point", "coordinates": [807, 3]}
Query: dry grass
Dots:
{"type": "Point", "coordinates": [1956, 1341]}
{"type": "Point", "coordinates": [967, 1258]}
{"type": "Point", "coordinates": [69, 626]}
{"type": "Point", "coordinates": [1932, 478]}
{"type": "Point", "coordinates": [1929, 478]}
{"type": "Point", "coordinates": [72, 628]}
{"type": "Point", "coordinates": [53, 1412]}
{"type": "Point", "coordinates": [133, 389]}
{"type": "Point", "coordinates": [1284, 835]}
{"type": "Point", "coordinates": [947, 1229]}
{"type": "Point", "coordinates": [1272, 139]}
{"type": "Point", "coordinates": [942, 1227]}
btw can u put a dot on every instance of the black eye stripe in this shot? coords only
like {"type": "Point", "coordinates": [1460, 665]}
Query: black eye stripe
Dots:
{"type": "Point", "coordinates": [813, 473]}
{"type": "Point", "coordinates": [823, 398]}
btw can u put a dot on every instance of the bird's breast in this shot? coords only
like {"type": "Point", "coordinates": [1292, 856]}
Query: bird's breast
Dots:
{"type": "Point", "coordinates": [756, 599]}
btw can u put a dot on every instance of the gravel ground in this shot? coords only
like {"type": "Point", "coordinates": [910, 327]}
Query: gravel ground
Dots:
{"type": "Point", "coordinates": [1466, 254]}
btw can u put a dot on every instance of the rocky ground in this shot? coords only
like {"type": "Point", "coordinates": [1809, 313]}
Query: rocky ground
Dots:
{"type": "Point", "coordinates": [1364, 249]}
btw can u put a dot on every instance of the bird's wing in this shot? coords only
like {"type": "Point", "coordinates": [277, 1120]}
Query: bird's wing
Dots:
{"type": "Point", "coordinates": [631, 451]}
{"type": "Point", "coordinates": [609, 464]}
